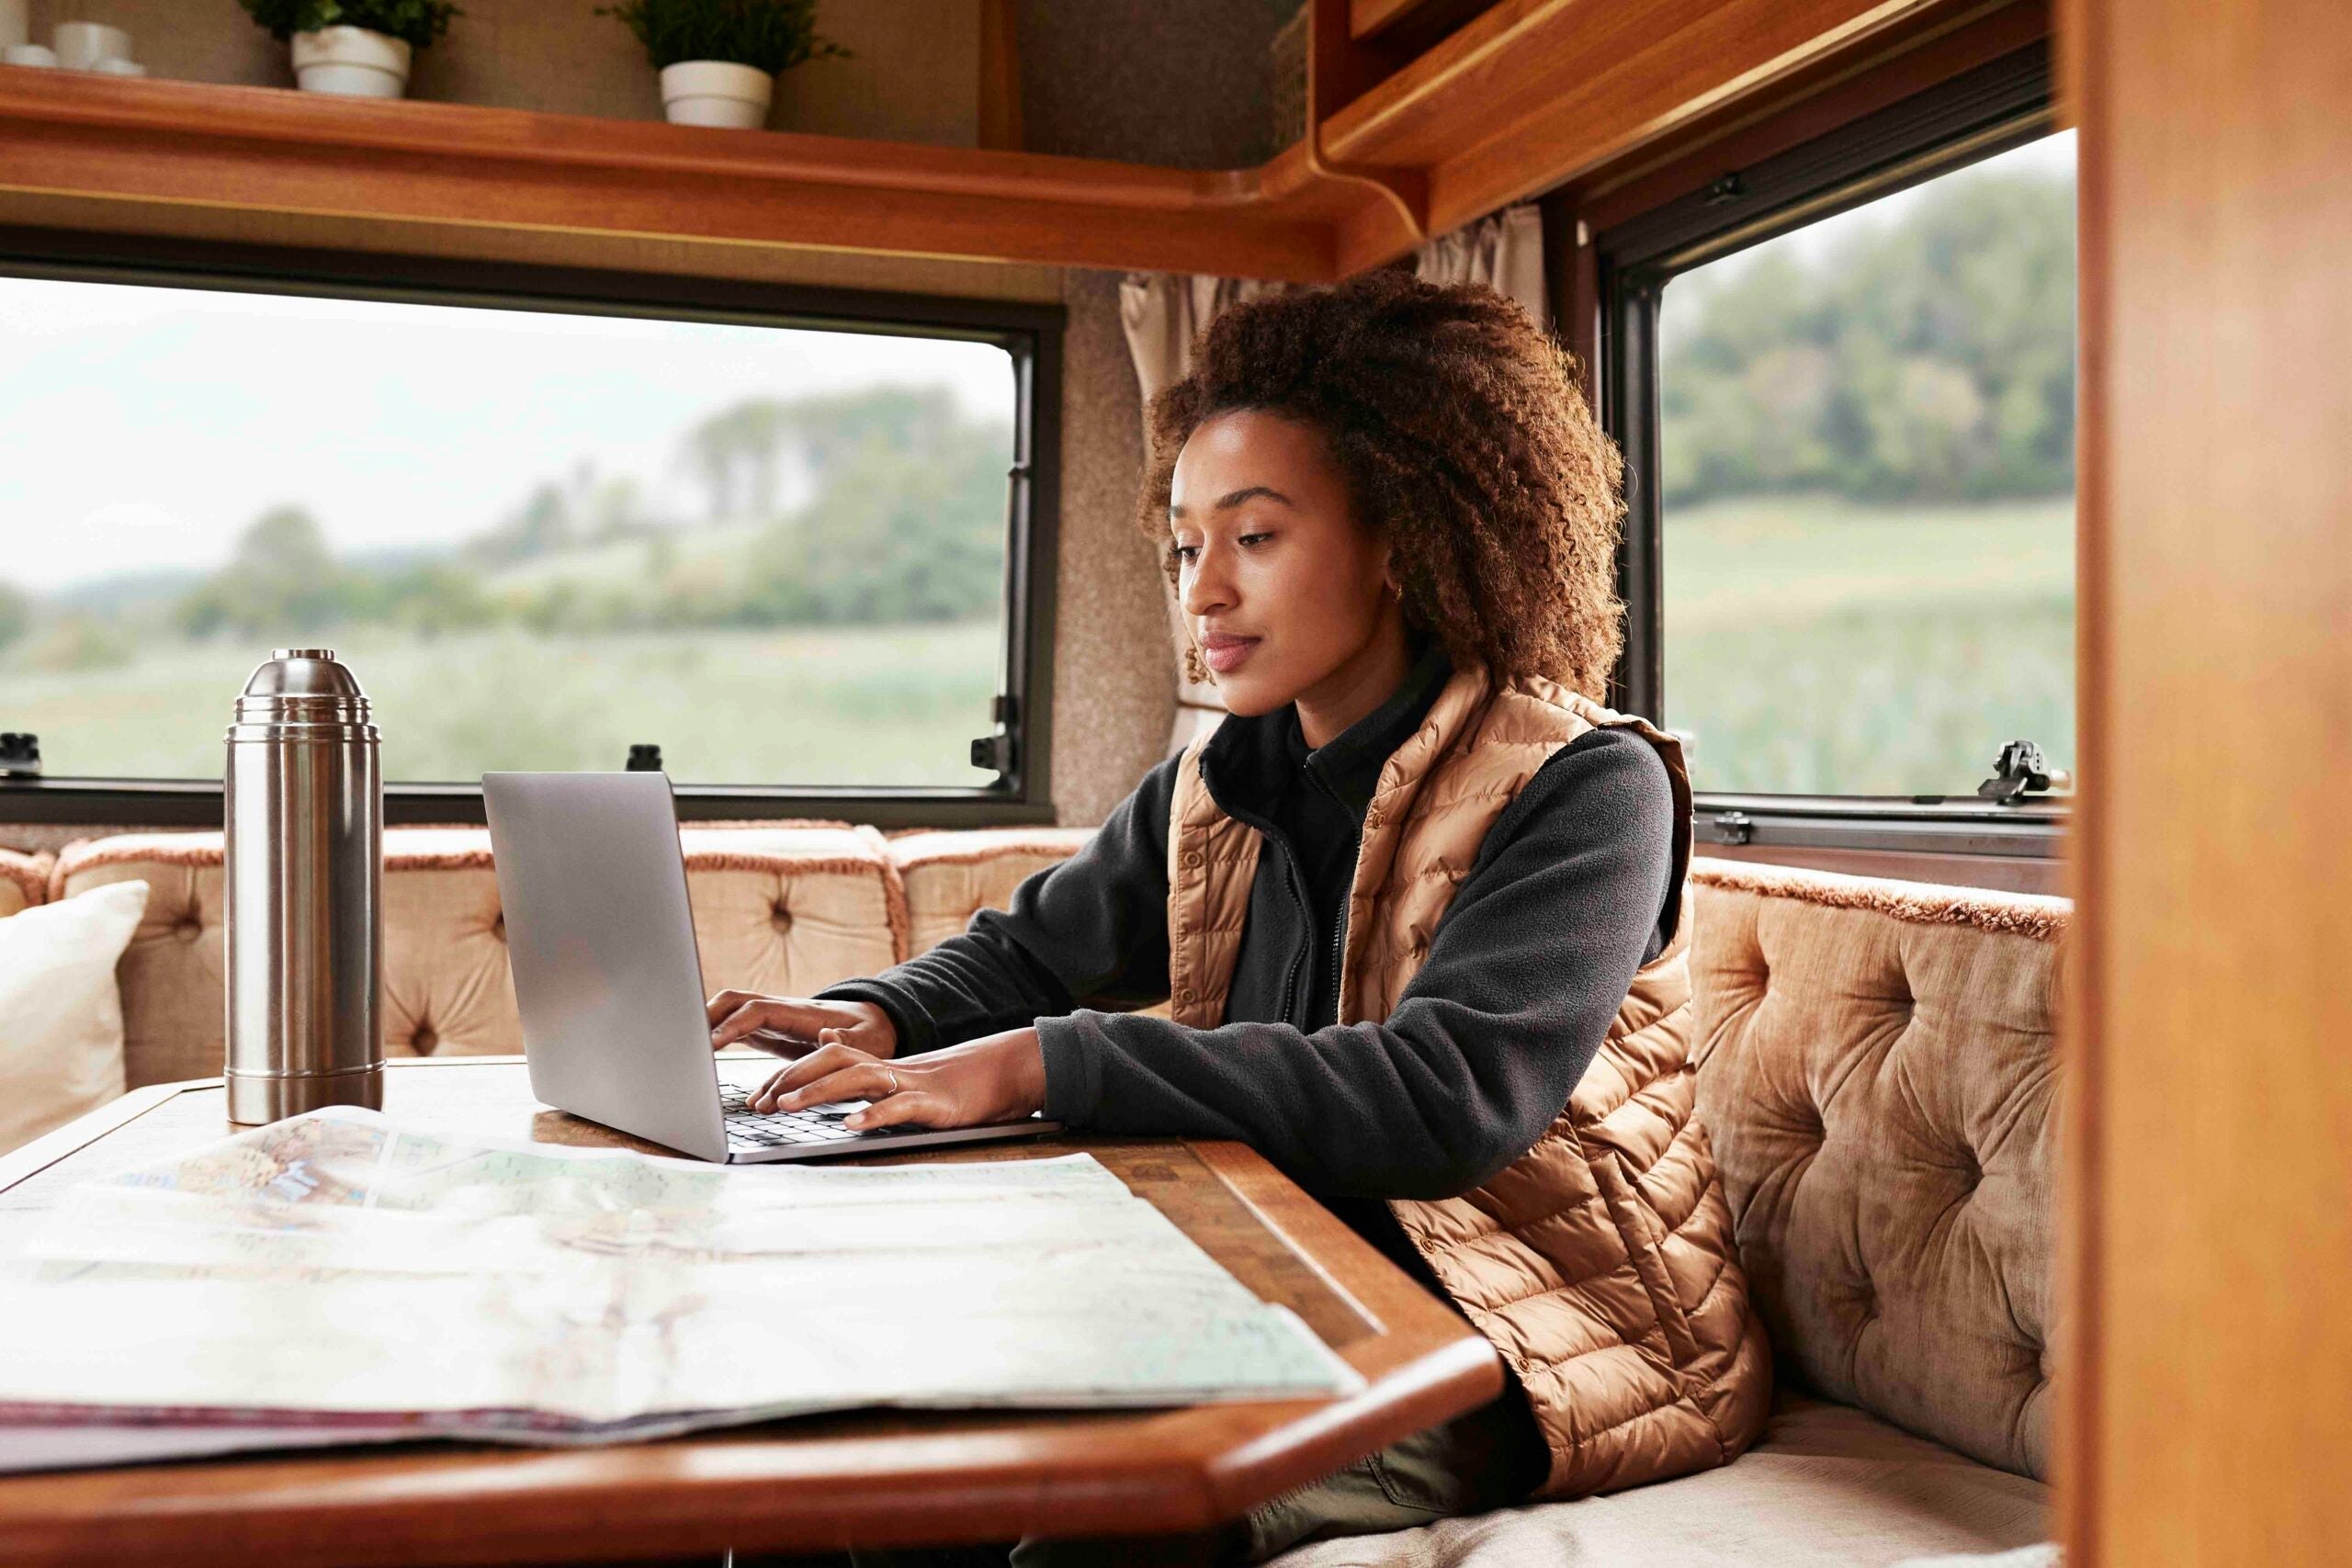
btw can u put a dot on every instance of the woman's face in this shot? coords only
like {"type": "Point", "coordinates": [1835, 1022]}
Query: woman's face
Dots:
{"type": "Point", "coordinates": [1284, 590]}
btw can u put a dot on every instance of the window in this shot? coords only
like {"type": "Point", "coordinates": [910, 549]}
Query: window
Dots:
{"type": "Point", "coordinates": [782, 547]}
{"type": "Point", "coordinates": [1845, 383]}
{"type": "Point", "coordinates": [1866, 481]}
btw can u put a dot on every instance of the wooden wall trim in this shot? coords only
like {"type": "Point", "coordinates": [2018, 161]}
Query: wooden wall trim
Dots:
{"type": "Point", "coordinates": [2077, 1332]}
{"type": "Point", "coordinates": [2208, 1342]}
{"type": "Point", "coordinates": [1000, 126]}
{"type": "Point", "coordinates": [1536, 92]}
{"type": "Point", "coordinates": [1885, 70]}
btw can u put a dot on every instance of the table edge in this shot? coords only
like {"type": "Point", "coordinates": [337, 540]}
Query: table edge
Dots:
{"type": "Point", "coordinates": [1422, 1364]}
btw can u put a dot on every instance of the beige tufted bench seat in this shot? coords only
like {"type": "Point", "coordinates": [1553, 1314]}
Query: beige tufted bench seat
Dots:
{"type": "Point", "coordinates": [1875, 1063]}
{"type": "Point", "coordinates": [1877, 1069]}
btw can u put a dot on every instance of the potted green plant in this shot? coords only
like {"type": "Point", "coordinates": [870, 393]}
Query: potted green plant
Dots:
{"type": "Point", "coordinates": [718, 59]}
{"type": "Point", "coordinates": [359, 48]}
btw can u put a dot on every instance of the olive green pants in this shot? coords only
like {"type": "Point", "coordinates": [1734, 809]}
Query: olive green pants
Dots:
{"type": "Point", "coordinates": [1489, 1459]}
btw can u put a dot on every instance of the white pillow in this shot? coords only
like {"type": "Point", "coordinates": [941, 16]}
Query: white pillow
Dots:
{"type": "Point", "coordinates": [61, 1013]}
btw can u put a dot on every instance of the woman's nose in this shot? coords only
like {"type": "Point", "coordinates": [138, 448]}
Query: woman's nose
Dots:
{"type": "Point", "coordinates": [1206, 585]}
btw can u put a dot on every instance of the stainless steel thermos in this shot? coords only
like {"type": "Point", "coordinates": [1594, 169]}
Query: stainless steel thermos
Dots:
{"type": "Point", "coordinates": [304, 857]}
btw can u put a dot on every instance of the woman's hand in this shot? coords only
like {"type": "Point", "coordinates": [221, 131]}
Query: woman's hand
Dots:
{"type": "Point", "coordinates": [790, 1025]}
{"type": "Point", "coordinates": [999, 1078]}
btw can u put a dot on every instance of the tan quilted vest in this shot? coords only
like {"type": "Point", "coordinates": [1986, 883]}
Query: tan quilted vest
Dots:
{"type": "Point", "coordinates": [1600, 1263]}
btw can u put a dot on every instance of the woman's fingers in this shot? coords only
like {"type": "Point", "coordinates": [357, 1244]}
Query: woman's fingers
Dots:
{"type": "Point", "coordinates": [998, 1078]}
{"type": "Point", "coordinates": [725, 1002]}
{"type": "Point", "coordinates": [840, 1072]}
{"type": "Point", "coordinates": [778, 1015]}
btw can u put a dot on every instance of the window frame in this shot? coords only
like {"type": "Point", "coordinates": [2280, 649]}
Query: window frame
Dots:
{"type": "Point", "coordinates": [1030, 333]}
{"type": "Point", "coordinates": [2004, 104]}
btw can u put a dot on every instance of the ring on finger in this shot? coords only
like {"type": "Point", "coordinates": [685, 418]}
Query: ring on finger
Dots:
{"type": "Point", "coordinates": [893, 1079]}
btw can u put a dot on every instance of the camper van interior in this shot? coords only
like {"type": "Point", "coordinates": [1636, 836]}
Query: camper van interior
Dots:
{"type": "Point", "coordinates": [1603, 738]}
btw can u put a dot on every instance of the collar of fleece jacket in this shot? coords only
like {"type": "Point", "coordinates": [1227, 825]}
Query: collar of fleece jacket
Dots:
{"type": "Point", "coordinates": [1249, 764]}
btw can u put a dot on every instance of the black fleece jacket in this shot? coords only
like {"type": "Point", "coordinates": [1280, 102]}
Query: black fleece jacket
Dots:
{"type": "Point", "coordinates": [1524, 974]}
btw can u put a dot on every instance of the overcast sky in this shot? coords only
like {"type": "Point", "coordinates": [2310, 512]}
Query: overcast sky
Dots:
{"type": "Point", "coordinates": [145, 427]}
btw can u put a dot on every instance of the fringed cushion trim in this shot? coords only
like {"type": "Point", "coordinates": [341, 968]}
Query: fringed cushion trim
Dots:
{"type": "Point", "coordinates": [908, 857]}
{"type": "Point", "coordinates": [689, 823]}
{"type": "Point", "coordinates": [204, 850]}
{"type": "Point", "coordinates": [2030, 915]}
{"type": "Point", "coordinates": [29, 871]}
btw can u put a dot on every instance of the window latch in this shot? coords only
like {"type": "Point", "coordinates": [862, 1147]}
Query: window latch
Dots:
{"type": "Point", "coordinates": [2020, 770]}
{"type": "Point", "coordinates": [1732, 827]}
{"type": "Point", "coordinates": [19, 755]}
{"type": "Point", "coordinates": [644, 760]}
{"type": "Point", "coordinates": [993, 753]}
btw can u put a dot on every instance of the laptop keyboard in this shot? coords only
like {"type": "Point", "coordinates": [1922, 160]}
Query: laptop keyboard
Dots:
{"type": "Point", "coordinates": [750, 1129]}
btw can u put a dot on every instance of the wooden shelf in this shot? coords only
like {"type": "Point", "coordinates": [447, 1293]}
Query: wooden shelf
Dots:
{"type": "Point", "coordinates": [277, 150]}
{"type": "Point", "coordinates": [1521, 96]}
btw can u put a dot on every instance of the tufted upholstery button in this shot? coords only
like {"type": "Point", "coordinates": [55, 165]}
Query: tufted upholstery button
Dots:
{"type": "Point", "coordinates": [423, 1040]}
{"type": "Point", "coordinates": [1188, 996]}
{"type": "Point", "coordinates": [1372, 818]}
{"type": "Point", "coordinates": [780, 917]}
{"type": "Point", "coordinates": [188, 929]}
{"type": "Point", "coordinates": [498, 925]}
{"type": "Point", "coordinates": [1192, 859]}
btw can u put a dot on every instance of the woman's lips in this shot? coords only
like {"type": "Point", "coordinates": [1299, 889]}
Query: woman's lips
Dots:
{"type": "Point", "coordinates": [1225, 652]}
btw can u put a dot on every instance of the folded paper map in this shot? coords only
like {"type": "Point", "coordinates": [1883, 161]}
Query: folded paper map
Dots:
{"type": "Point", "coordinates": [341, 1269]}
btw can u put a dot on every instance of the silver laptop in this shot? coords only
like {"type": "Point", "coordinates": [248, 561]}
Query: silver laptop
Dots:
{"type": "Point", "coordinates": [608, 979]}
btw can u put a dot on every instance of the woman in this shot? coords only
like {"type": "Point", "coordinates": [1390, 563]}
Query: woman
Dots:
{"type": "Point", "coordinates": [1397, 899]}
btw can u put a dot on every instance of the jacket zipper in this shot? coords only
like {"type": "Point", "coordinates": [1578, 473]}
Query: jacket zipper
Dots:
{"type": "Point", "coordinates": [1307, 919]}
{"type": "Point", "coordinates": [1306, 914]}
{"type": "Point", "coordinates": [1340, 926]}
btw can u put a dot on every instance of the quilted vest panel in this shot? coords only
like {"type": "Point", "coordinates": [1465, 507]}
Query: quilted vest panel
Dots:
{"type": "Point", "coordinates": [1601, 1262]}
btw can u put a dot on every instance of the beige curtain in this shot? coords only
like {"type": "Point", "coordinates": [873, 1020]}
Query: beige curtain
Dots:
{"type": "Point", "coordinates": [1164, 313]}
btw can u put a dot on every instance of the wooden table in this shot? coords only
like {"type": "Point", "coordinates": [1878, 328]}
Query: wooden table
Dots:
{"type": "Point", "coordinates": [813, 1483]}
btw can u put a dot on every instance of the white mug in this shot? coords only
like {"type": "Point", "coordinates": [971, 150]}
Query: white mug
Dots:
{"type": "Point", "coordinates": [16, 24]}
{"type": "Point", "coordinates": [32, 54]}
{"type": "Point", "coordinates": [116, 66]}
{"type": "Point", "coordinates": [81, 45]}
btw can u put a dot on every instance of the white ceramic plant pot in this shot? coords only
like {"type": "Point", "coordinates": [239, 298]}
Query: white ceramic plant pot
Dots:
{"type": "Point", "coordinates": [353, 62]}
{"type": "Point", "coordinates": [716, 92]}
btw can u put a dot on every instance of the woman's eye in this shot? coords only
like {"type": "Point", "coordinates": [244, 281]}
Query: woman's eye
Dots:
{"type": "Point", "coordinates": [1187, 553]}
{"type": "Point", "coordinates": [1254, 538]}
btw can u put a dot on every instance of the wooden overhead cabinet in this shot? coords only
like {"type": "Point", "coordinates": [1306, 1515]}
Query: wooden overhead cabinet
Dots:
{"type": "Point", "coordinates": [1515, 99]}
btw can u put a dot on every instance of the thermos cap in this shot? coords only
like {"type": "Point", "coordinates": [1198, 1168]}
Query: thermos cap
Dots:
{"type": "Point", "coordinates": [301, 694]}
{"type": "Point", "coordinates": [304, 672]}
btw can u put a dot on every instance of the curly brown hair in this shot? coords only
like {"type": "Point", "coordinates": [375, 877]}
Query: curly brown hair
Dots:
{"type": "Point", "coordinates": [1464, 439]}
